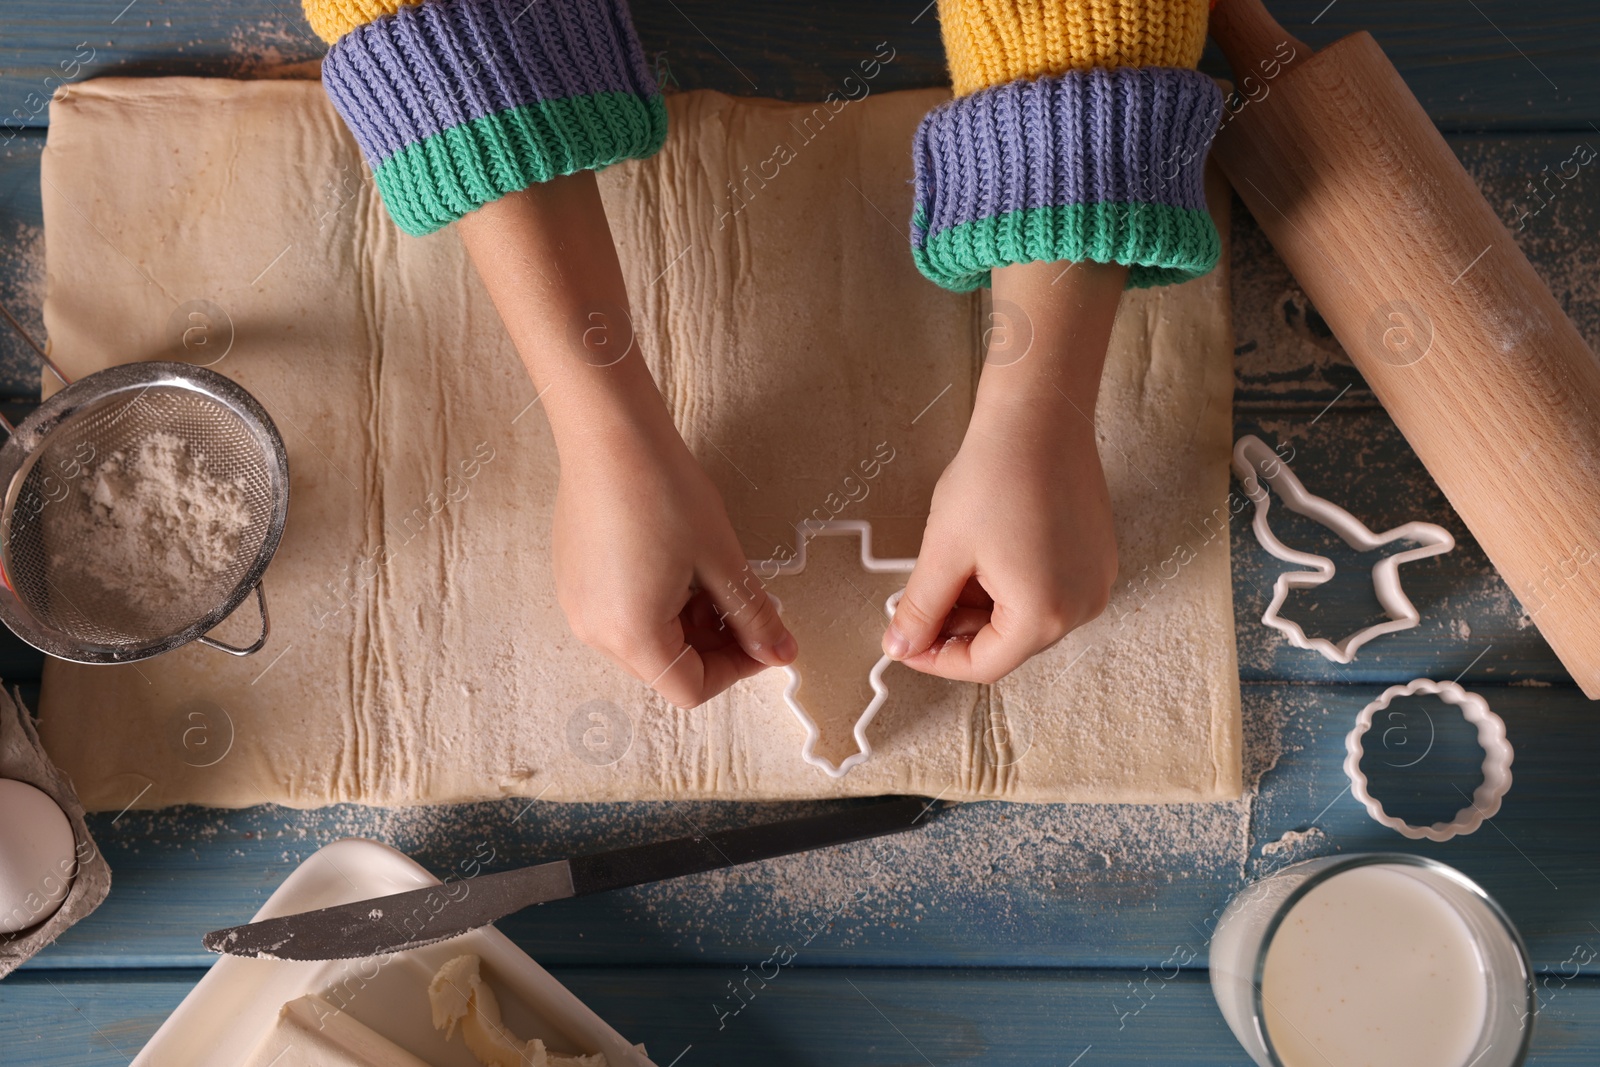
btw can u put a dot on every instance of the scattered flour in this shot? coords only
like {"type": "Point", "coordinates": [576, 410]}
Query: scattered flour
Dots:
{"type": "Point", "coordinates": [22, 291]}
{"type": "Point", "coordinates": [158, 523]}
{"type": "Point", "coordinates": [1292, 840]}
{"type": "Point", "coordinates": [1014, 869]}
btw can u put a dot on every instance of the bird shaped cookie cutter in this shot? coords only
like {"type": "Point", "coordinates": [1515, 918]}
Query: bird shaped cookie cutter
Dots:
{"type": "Point", "coordinates": [1254, 462]}
{"type": "Point", "coordinates": [1496, 766]}
{"type": "Point", "coordinates": [795, 564]}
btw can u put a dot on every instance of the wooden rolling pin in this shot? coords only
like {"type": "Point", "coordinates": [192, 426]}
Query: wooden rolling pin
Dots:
{"type": "Point", "coordinates": [1443, 315]}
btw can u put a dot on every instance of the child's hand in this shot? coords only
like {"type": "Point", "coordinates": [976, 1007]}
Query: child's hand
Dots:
{"type": "Point", "coordinates": [650, 572]}
{"type": "Point", "coordinates": [1019, 549]}
{"type": "Point", "coordinates": [646, 564]}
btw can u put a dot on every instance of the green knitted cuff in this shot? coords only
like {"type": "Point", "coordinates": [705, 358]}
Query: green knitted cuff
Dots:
{"type": "Point", "coordinates": [1161, 244]}
{"type": "Point", "coordinates": [433, 182]}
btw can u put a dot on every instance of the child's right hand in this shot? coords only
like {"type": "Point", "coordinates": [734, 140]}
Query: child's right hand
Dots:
{"type": "Point", "coordinates": [648, 569]}
{"type": "Point", "coordinates": [650, 572]}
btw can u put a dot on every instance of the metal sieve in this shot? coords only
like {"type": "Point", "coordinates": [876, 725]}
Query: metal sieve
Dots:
{"type": "Point", "coordinates": [60, 605]}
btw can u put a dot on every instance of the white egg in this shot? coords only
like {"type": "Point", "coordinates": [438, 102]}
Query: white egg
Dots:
{"type": "Point", "coordinates": [36, 856]}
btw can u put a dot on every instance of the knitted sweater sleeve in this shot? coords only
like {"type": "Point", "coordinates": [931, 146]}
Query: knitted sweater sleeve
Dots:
{"type": "Point", "coordinates": [1078, 131]}
{"type": "Point", "coordinates": [456, 103]}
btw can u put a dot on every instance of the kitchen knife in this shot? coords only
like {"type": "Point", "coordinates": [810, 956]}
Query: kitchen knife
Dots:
{"type": "Point", "coordinates": [401, 921]}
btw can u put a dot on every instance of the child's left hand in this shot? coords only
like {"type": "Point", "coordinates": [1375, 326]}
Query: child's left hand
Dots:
{"type": "Point", "coordinates": [1019, 548]}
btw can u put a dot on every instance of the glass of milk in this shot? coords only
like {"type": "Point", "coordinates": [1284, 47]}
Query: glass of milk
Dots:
{"type": "Point", "coordinates": [1374, 960]}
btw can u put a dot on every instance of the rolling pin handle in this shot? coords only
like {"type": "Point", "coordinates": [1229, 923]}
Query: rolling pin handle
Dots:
{"type": "Point", "coordinates": [1248, 35]}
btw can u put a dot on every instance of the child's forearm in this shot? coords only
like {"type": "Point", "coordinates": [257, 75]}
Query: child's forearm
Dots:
{"type": "Point", "coordinates": [647, 567]}
{"type": "Point", "coordinates": [547, 259]}
{"type": "Point", "coordinates": [1020, 547]}
{"type": "Point", "coordinates": [1047, 346]}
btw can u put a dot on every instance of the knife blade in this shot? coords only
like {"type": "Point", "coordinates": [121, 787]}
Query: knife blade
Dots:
{"type": "Point", "coordinates": [400, 921]}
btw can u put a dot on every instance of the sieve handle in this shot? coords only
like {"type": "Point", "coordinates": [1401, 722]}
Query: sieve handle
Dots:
{"type": "Point", "coordinates": [261, 602]}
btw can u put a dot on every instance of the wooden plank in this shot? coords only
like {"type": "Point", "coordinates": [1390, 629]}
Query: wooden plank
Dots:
{"type": "Point", "coordinates": [987, 885]}
{"type": "Point", "coordinates": [861, 1017]}
{"type": "Point", "coordinates": [1060, 1018]}
{"type": "Point", "coordinates": [86, 1019]}
{"type": "Point", "coordinates": [22, 293]}
{"type": "Point", "coordinates": [1525, 65]}
{"type": "Point", "coordinates": [22, 259]}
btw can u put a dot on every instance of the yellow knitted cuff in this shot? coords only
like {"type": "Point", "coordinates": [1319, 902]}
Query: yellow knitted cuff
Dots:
{"type": "Point", "coordinates": [993, 42]}
{"type": "Point", "coordinates": [332, 19]}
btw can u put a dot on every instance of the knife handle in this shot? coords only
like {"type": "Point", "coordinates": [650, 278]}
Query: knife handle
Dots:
{"type": "Point", "coordinates": [729, 848]}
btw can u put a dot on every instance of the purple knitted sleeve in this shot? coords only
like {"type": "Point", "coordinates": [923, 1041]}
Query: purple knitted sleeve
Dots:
{"type": "Point", "coordinates": [457, 102]}
{"type": "Point", "coordinates": [1101, 164]}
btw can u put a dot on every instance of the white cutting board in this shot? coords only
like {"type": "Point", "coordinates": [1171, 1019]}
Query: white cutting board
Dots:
{"type": "Point", "coordinates": [230, 1011]}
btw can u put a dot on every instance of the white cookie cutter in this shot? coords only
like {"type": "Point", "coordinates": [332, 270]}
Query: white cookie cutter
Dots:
{"type": "Point", "coordinates": [1496, 766]}
{"type": "Point", "coordinates": [1254, 461]}
{"type": "Point", "coordinates": [770, 568]}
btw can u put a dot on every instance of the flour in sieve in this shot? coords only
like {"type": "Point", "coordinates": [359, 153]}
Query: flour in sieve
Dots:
{"type": "Point", "coordinates": [159, 525]}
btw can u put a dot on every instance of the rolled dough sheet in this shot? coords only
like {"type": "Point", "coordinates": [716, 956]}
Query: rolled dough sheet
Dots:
{"type": "Point", "coordinates": [417, 652]}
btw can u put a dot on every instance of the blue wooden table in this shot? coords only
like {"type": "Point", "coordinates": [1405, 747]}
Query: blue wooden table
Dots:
{"type": "Point", "coordinates": [1003, 934]}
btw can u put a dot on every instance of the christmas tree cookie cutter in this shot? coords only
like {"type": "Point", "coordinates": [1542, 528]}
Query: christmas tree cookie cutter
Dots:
{"type": "Point", "coordinates": [1496, 767]}
{"type": "Point", "coordinates": [795, 564]}
{"type": "Point", "coordinates": [1254, 462]}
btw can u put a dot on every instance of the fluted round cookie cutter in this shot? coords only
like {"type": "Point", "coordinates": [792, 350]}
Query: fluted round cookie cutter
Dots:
{"type": "Point", "coordinates": [1496, 767]}
{"type": "Point", "coordinates": [880, 692]}
{"type": "Point", "coordinates": [1255, 462]}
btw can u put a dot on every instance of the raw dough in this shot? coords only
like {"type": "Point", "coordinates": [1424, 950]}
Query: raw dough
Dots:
{"type": "Point", "coordinates": [417, 652]}
{"type": "Point", "coordinates": [459, 996]}
{"type": "Point", "coordinates": [311, 1032]}
{"type": "Point", "coordinates": [836, 610]}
